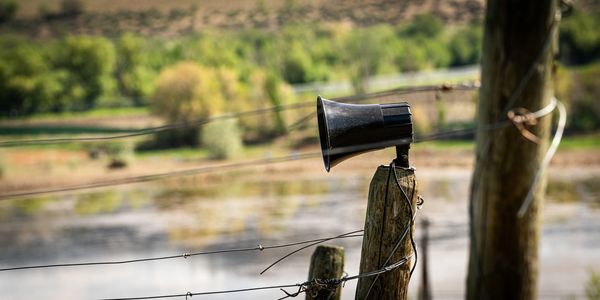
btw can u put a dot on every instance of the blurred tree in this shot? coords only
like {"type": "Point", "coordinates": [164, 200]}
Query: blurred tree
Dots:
{"type": "Point", "coordinates": [367, 50]}
{"type": "Point", "coordinates": [465, 45]}
{"type": "Point", "coordinates": [91, 62]}
{"type": "Point", "coordinates": [8, 9]}
{"type": "Point", "coordinates": [297, 64]}
{"type": "Point", "coordinates": [72, 8]}
{"type": "Point", "coordinates": [133, 77]}
{"type": "Point", "coordinates": [580, 38]}
{"type": "Point", "coordinates": [580, 89]}
{"type": "Point", "coordinates": [425, 25]}
{"type": "Point", "coordinates": [184, 93]}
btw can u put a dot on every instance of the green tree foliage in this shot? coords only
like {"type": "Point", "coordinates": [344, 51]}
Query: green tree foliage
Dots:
{"type": "Point", "coordinates": [28, 82]}
{"type": "Point", "coordinates": [8, 9]}
{"type": "Point", "coordinates": [186, 92]}
{"type": "Point", "coordinates": [422, 45]}
{"type": "Point", "coordinates": [423, 26]}
{"type": "Point", "coordinates": [465, 46]}
{"type": "Point", "coordinates": [580, 89]}
{"type": "Point", "coordinates": [580, 38]}
{"type": "Point", "coordinates": [91, 63]}
{"type": "Point", "coordinates": [265, 90]}
{"type": "Point", "coordinates": [367, 51]}
{"type": "Point", "coordinates": [133, 76]}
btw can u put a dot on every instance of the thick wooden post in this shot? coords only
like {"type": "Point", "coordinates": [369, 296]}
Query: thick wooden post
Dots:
{"type": "Point", "coordinates": [327, 262]}
{"type": "Point", "coordinates": [425, 290]}
{"type": "Point", "coordinates": [517, 67]}
{"type": "Point", "coordinates": [385, 223]}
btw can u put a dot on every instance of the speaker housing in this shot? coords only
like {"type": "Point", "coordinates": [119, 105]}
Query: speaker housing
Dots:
{"type": "Point", "coordinates": [346, 130]}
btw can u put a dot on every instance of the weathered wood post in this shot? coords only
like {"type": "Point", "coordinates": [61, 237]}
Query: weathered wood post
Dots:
{"type": "Point", "coordinates": [327, 262]}
{"type": "Point", "coordinates": [425, 289]}
{"type": "Point", "coordinates": [388, 216]}
{"type": "Point", "coordinates": [517, 69]}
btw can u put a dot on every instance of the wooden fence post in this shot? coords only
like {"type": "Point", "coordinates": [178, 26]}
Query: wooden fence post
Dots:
{"type": "Point", "coordinates": [516, 72]}
{"type": "Point", "coordinates": [327, 262]}
{"type": "Point", "coordinates": [425, 290]}
{"type": "Point", "coordinates": [386, 220]}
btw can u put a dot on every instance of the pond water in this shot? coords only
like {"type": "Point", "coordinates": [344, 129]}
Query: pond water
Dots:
{"type": "Point", "coordinates": [193, 214]}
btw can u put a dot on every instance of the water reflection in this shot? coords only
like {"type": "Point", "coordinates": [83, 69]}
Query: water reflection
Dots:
{"type": "Point", "coordinates": [194, 214]}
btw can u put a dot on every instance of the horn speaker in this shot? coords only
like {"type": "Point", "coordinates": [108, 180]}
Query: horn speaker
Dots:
{"type": "Point", "coordinates": [346, 130]}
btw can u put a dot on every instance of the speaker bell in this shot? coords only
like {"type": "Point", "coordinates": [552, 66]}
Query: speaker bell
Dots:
{"type": "Point", "coordinates": [346, 130]}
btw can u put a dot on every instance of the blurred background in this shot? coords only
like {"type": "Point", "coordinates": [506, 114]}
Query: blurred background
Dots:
{"type": "Point", "coordinates": [72, 69]}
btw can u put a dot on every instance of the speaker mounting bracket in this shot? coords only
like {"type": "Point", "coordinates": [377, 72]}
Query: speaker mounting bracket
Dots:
{"type": "Point", "coordinates": [402, 156]}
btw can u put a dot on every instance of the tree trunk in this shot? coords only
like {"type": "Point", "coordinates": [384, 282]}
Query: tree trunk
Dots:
{"type": "Point", "coordinates": [517, 62]}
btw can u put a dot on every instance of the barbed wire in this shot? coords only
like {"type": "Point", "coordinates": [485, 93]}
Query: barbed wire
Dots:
{"type": "Point", "coordinates": [260, 247]}
{"type": "Point", "coordinates": [303, 287]}
{"type": "Point", "coordinates": [259, 162]}
{"type": "Point", "coordinates": [201, 122]}
{"type": "Point", "coordinates": [229, 166]}
{"type": "Point", "coordinates": [315, 284]}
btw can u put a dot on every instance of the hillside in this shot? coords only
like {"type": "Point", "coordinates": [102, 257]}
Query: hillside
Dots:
{"type": "Point", "coordinates": [39, 18]}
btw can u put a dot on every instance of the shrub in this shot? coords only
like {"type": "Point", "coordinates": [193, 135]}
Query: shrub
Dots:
{"type": "Point", "coordinates": [186, 92]}
{"type": "Point", "coordinates": [592, 287]}
{"type": "Point", "coordinates": [265, 90]}
{"type": "Point", "coordinates": [222, 139]}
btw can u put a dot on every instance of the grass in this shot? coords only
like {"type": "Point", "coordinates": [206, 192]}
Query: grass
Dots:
{"type": "Point", "coordinates": [446, 144]}
{"type": "Point", "coordinates": [577, 142]}
{"type": "Point", "coordinates": [37, 131]}
{"type": "Point", "coordinates": [588, 141]}
{"type": "Point", "coordinates": [94, 113]}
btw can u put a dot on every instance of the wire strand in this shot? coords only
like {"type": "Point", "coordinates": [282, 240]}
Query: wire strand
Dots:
{"type": "Point", "coordinates": [302, 287]}
{"type": "Point", "coordinates": [186, 255]}
{"type": "Point", "coordinates": [307, 246]}
{"type": "Point", "coordinates": [250, 163]}
{"type": "Point", "coordinates": [201, 122]}
{"type": "Point", "coordinates": [159, 176]}
{"type": "Point", "coordinates": [562, 121]}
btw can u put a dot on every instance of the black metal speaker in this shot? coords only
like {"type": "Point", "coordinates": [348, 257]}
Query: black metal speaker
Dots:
{"type": "Point", "coordinates": [346, 130]}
